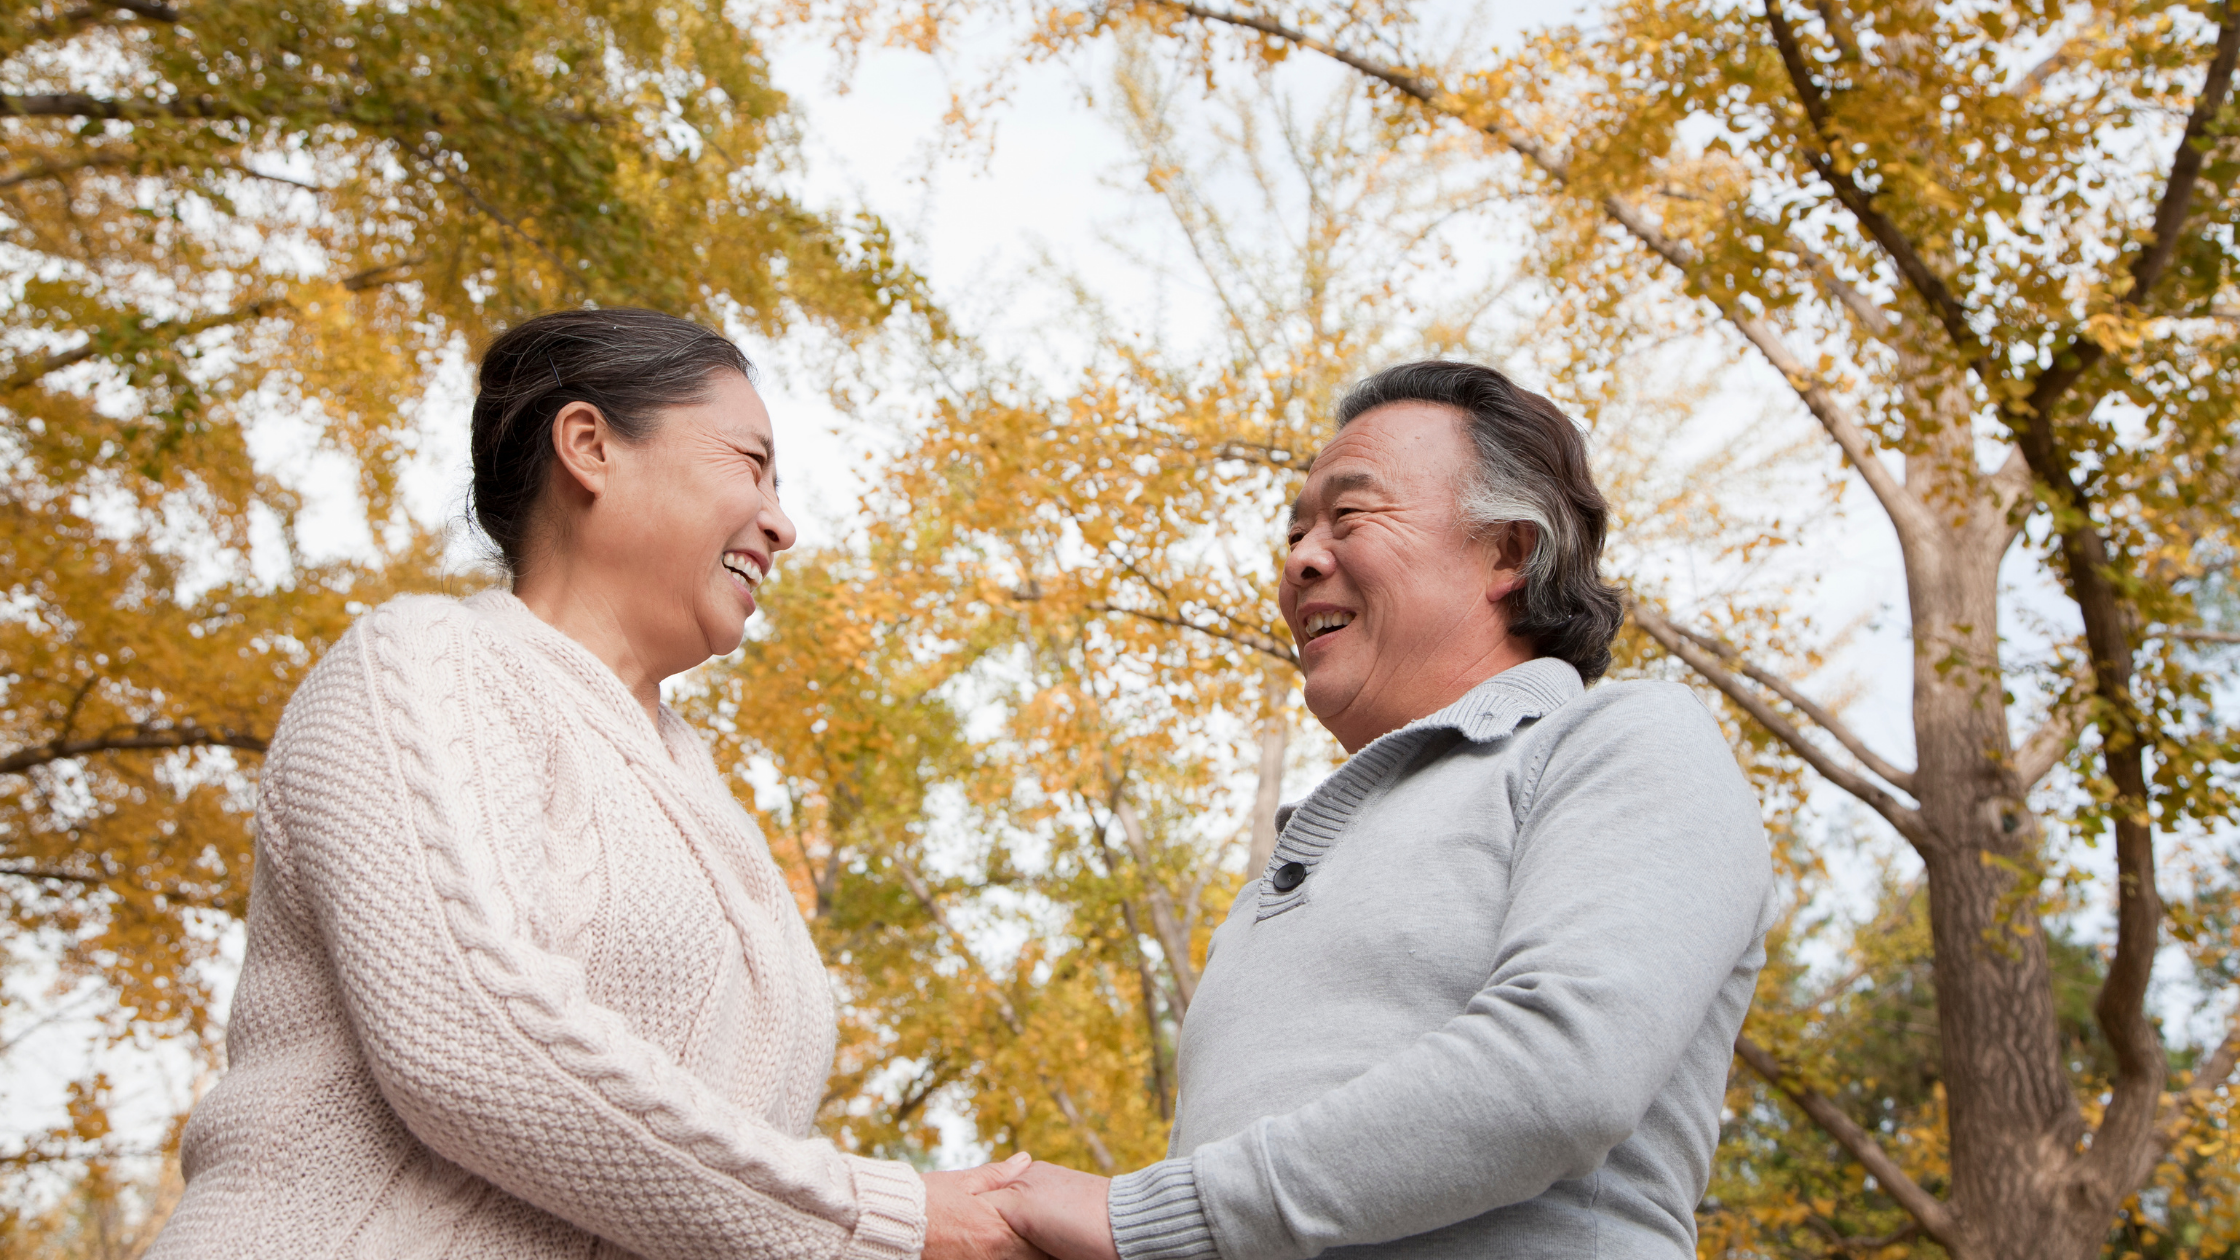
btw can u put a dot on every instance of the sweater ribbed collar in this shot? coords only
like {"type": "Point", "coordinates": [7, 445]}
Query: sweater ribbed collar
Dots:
{"type": "Point", "coordinates": [1493, 708]}
{"type": "Point", "coordinates": [1489, 711]}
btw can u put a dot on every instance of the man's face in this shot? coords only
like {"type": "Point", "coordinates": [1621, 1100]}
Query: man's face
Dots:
{"type": "Point", "coordinates": [1393, 604]}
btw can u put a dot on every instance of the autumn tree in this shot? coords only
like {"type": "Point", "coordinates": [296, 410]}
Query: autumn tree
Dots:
{"type": "Point", "coordinates": [1016, 746]}
{"type": "Point", "coordinates": [1989, 251]}
{"type": "Point", "coordinates": [226, 222]}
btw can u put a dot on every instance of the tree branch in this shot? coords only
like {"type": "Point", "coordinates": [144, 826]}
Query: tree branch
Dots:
{"type": "Point", "coordinates": [168, 330]}
{"type": "Point", "coordinates": [145, 738]}
{"type": "Point", "coordinates": [45, 169]}
{"type": "Point", "coordinates": [2207, 1079]}
{"type": "Point", "coordinates": [1910, 516]}
{"type": "Point", "coordinates": [1174, 940]}
{"type": "Point", "coordinates": [2201, 636]}
{"type": "Point", "coordinates": [1243, 638]}
{"type": "Point", "coordinates": [1918, 274]}
{"type": "Point", "coordinates": [1004, 1010]}
{"type": "Point", "coordinates": [1908, 820]}
{"type": "Point", "coordinates": [1901, 779]}
{"type": "Point", "coordinates": [1856, 1246]}
{"type": "Point", "coordinates": [49, 873]}
{"type": "Point", "coordinates": [2047, 745]}
{"type": "Point", "coordinates": [2082, 353]}
{"type": "Point", "coordinates": [80, 105]}
{"type": "Point", "coordinates": [2124, 1149]}
{"type": "Point", "coordinates": [174, 330]}
{"type": "Point", "coordinates": [80, 18]}
{"type": "Point", "coordinates": [1871, 317]}
{"type": "Point", "coordinates": [1936, 1218]}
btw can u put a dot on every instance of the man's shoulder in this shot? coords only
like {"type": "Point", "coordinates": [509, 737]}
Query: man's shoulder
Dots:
{"type": "Point", "coordinates": [1632, 703]}
{"type": "Point", "coordinates": [1662, 729]}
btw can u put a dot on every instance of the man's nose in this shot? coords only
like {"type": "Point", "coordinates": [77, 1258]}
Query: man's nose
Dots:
{"type": "Point", "coordinates": [1309, 561]}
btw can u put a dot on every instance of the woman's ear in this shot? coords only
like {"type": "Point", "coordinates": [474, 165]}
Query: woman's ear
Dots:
{"type": "Point", "coordinates": [584, 443]}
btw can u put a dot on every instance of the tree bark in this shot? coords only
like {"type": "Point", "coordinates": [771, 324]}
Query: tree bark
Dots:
{"type": "Point", "coordinates": [1274, 736]}
{"type": "Point", "coordinates": [2013, 1117]}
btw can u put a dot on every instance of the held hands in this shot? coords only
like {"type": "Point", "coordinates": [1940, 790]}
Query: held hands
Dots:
{"type": "Point", "coordinates": [1017, 1210]}
{"type": "Point", "coordinates": [962, 1226]}
{"type": "Point", "coordinates": [1059, 1210]}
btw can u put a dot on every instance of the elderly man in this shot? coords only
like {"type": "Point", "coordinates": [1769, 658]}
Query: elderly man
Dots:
{"type": "Point", "coordinates": [1482, 1001]}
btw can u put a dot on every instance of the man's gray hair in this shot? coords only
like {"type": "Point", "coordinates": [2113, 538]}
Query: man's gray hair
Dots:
{"type": "Point", "coordinates": [1531, 466]}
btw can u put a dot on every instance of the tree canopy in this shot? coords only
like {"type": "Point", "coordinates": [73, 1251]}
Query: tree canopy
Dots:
{"type": "Point", "coordinates": [229, 229]}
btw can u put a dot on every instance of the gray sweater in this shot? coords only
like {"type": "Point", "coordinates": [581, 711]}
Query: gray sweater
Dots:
{"type": "Point", "coordinates": [1495, 1016]}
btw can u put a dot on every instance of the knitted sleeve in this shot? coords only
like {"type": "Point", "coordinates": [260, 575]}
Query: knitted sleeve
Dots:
{"type": "Point", "coordinates": [489, 1048]}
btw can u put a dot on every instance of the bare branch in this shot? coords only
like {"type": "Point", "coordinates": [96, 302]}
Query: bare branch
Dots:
{"type": "Point", "coordinates": [1243, 638]}
{"type": "Point", "coordinates": [1856, 1246]}
{"type": "Point", "coordinates": [1008, 1013]}
{"type": "Point", "coordinates": [1908, 820]}
{"type": "Point", "coordinates": [1829, 722]}
{"type": "Point", "coordinates": [147, 738]}
{"type": "Point", "coordinates": [2047, 745]}
{"type": "Point", "coordinates": [1870, 317]}
{"type": "Point", "coordinates": [1936, 1218]}
{"type": "Point", "coordinates": [1173, 938]}
{"type": "Point", "coordinates": [2201, 636]}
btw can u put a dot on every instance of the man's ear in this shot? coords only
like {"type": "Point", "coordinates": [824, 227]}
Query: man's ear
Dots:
{"type": "Point", "coordinates": [1510, 550]}
{"type": "Point", "coordinates": [584, 445]}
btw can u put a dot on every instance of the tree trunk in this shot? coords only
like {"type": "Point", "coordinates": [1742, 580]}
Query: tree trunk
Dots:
{"type": "Point", "coordinates": [2014, 1120]}
{"type": "Point", "coordinates": [1274, 735]}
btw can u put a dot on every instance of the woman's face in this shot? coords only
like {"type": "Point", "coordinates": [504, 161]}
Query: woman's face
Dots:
{"type": "Point", "coordinates": [688, 525]}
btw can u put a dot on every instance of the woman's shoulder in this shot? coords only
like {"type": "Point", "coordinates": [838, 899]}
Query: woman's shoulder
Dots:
{"type": "Point", "coordinates": [395, 653]}
{"type": "Point", "coordinates": [421, 617]}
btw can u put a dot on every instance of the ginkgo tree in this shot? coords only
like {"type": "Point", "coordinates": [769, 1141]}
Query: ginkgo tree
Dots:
{"type": "Point", "coordinates": [1989, 250]}
{"type": "Point", "coordinates": [1020, 740]}
{"type": "Point", "coordinates": [219, 219]}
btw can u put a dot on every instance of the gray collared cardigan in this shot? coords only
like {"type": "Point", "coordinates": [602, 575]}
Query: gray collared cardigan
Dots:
{"type": "Point", "coordinates": [1483, 1000]}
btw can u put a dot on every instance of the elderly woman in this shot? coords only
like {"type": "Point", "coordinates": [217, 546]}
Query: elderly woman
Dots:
{"type": "Point", "coordinates": [522, 978]}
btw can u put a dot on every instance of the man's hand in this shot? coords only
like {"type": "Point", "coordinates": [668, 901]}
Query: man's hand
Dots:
{"type": "Point", "coordinates": [960, 1226]}
{"type": "Point", "coordinates": [1059, 1210]}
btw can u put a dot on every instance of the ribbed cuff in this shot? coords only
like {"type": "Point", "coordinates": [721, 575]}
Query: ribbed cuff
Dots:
{"type": "Point", "coordinates": [890, 1211]}
{"type": "Point", "coordinates": [1156, 1214]}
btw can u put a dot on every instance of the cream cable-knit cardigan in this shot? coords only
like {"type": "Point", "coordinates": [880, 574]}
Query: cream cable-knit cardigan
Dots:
{"type": "Point", "coordinates": [522, 980]}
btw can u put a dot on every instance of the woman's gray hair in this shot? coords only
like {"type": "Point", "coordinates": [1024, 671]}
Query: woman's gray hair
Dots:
{"type": "Point", "coordinates": [1531, 466]}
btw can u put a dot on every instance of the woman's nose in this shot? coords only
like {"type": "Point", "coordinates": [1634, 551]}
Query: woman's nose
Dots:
{"type": "Point", "coordinates": [777, 526]}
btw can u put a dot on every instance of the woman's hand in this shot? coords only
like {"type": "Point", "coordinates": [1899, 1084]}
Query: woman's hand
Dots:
{"type": "Point", "coordinates": [962, 1226]}
{"type": "Point", "coordinates": [1059, 1210]}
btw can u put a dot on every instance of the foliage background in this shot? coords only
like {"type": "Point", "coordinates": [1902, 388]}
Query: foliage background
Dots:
{"type": "Point", "coordinates": [989, 681]}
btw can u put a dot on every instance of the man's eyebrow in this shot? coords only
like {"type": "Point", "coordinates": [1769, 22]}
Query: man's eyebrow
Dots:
{"type": "Point", "coordinates": [1339, 483]}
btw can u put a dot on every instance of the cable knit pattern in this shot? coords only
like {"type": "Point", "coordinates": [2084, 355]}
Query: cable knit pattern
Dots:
{"type": "Point", "coordinates": [522, 980]}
